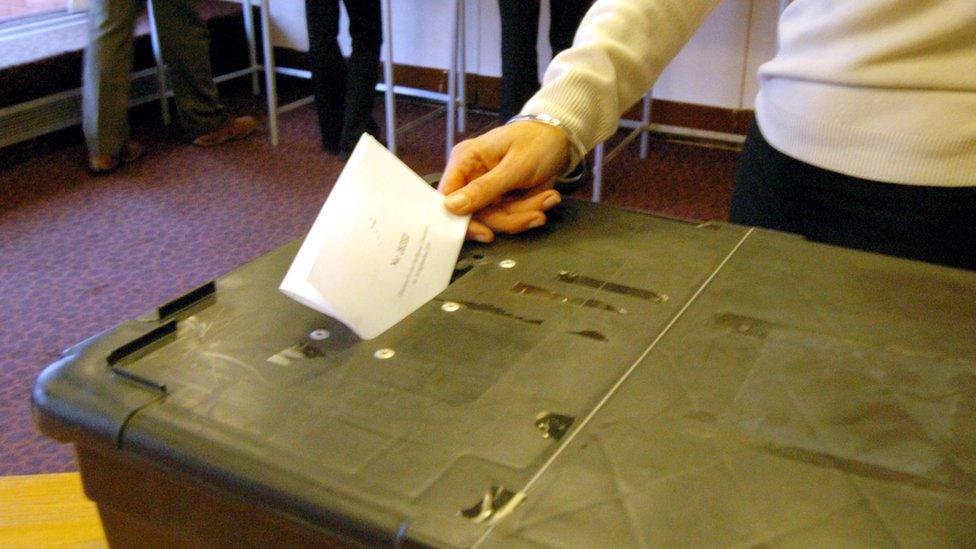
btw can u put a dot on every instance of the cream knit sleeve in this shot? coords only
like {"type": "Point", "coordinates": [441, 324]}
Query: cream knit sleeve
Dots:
{"type": "Point", "coordinates": [622, 46]}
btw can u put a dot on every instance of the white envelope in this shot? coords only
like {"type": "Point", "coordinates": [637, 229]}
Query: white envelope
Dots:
{"type": "Point", "coordinates": [382, 245]}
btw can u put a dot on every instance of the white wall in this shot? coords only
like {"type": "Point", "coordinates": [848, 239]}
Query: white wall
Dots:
{"type": "Point", "coordinates": [708, 71]}
{"type": "Point", "coordinates": [762, 45]}
{"type": "Point", "coordinates": [716, 68]}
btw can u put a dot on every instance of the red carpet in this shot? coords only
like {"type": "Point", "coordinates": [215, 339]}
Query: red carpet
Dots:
{"type": "Point", "coordinates": [80, 254]}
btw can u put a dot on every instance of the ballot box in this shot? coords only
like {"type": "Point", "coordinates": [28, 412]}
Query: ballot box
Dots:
{"type": "Point", "coordinates": [614, 379]}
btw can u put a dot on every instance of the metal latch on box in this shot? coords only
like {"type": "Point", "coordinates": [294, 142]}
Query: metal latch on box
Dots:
{"type": "Point", "coordinates": [497, 503]}
{"type": "Point", "coordinates": [553, 425]}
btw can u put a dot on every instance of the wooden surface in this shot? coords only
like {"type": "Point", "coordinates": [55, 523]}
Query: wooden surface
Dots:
{"type": "Point", "coordinates": [46, 511]}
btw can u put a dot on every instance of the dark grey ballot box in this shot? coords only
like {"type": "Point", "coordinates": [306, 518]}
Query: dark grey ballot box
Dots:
{"type": "Point", "coordinates": [614, 380]}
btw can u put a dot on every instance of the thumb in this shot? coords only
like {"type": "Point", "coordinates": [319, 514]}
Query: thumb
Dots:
{"type": "Point", "coordinates": [487, 188]}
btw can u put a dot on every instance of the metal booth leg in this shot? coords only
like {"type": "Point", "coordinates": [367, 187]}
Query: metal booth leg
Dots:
{"type": "Point", "coordinates": [452, 83]}
{"type": "Point", "coordinates": [645, 139]}
{"type": "Point", "coordinates": [160, 65]}
{"type": "Point", "coordinates": [251, 45]}
{"type": "Point", "coordinates": [269, 72]}
{"type": "Point", "coordinates": [597, 172]}
{"type": "Point", "coordinates": [600, 158]}
{"type": "Point", "coordinates": [390, 105]}
{"type": "Point", "coordinates": [462, 99]}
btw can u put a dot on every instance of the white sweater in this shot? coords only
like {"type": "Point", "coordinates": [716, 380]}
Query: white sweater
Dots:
{"type": "Point", "coordinates": [877, 89]}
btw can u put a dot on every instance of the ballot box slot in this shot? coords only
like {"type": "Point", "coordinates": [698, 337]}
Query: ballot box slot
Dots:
{"type": "Point", "coordinates": [191, 301]}
{"type": "Point", "coordinates": [453, 306]}
{"type": "Point", "coordinates": [604, 285]}
{"type": "Point", "coordinates": [744, 325]}
{"type": "Point", "coordinates": [138, 348]}
{"type": "Point", "coordinates": [532, 290]}
{"type": "Point", "coordinates": [590, 334]}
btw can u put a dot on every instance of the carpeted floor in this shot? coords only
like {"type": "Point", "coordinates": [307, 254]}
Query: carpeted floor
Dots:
{"type": "Point", "coordinates": [80, 254]}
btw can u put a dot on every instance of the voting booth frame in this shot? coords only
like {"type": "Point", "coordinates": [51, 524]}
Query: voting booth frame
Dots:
{"type": "Point", "coordinates": [569, 387]}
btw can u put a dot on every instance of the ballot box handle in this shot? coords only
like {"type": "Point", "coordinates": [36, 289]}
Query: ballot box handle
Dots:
{"type": "Point", "coordinates": [140, 347]}
{"type": "Point", "coordinates": [186, 304]}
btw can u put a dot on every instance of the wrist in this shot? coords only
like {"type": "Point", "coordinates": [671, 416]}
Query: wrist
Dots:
{"type": "Point", "coordinates": [576, 149]}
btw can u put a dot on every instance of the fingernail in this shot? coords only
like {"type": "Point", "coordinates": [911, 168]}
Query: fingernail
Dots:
{"type": "Point", "coordinates": [551, 201]}
{"type": "Point", "coordinates": [456, 201]}
{"type": "Point", "coordinates": [483, 238]}
{"type": "Point", "coordinates": [537, 222]}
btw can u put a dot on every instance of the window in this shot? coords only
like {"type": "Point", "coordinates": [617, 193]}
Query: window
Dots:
{"type": "Point", "coordinates": [11, 10]}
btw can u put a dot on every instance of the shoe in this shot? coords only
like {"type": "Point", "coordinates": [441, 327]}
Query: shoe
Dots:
{"type": "Point", "coordinates": [103, 164]}
{"type": "Point", "coordinates": [349, 140]}
{"type": "Point", "coordinates": [234, 129]}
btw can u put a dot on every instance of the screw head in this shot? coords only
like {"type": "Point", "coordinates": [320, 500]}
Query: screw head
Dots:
{"type": "Point", "coordinates": [320, 334]}
{"type": "Point", "coordinates": [384, 354]}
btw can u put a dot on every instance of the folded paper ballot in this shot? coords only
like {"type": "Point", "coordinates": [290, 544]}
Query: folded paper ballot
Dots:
{"type": "Point", "coordinates": [382, 245]}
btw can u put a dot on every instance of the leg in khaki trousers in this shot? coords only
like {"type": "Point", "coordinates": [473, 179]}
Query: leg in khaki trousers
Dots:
{"type": "Point", "coordinates": [108, 67]}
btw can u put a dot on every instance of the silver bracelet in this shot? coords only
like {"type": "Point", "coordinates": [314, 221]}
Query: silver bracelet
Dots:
{"type": "Point", "coordinates": [578, 150]}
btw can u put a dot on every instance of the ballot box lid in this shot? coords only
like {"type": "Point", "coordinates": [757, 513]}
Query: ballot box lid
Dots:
{"type": "Point", "coordinates": [614, 379]}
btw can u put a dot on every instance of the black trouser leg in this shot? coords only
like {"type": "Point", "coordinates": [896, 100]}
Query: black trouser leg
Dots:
{"type": "Point", "coordinates": [520, 68]}
{"type": "Point", "coordinates": [366, 30]}
{"type": "Point", "coordinates": [928, 223]}
{"type": "Point", "coordinates": [329, 71]}
{"type": "Point", "coordinates": [565, 16]}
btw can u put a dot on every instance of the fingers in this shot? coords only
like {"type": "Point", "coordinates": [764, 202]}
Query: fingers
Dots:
{"type": "Point", "coordinates": [519, 215]}
{"type": "Point", "coordinates": [464, 165]}
{"type": "Point", "coordinates": [542, 199]}
{"type": "Point", "coordinates": [512, 223]}
{"type": "Point", "coordinates": [479, 232]}
{"type": "Point", "coordinates": [517, 156]}
{"type": "Point", "coordinates": [512, 217]}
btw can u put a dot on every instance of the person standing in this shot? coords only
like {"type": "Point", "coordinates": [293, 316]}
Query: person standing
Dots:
{"type": "Point", "coordinates": [520, 32]}
{"type": "Point", "coordinates": [344, 91]}
{"type": "Point", "coordinates": [865, 134]}
{"type": "Point", "coordinates": [106, 80]}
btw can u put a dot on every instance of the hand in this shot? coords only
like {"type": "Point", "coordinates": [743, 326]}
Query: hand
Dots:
{"type": "Point", "coordinates": [504, 178]}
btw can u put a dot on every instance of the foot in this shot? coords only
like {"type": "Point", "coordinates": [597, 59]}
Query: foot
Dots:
{"type": "Point", "coordinates": [234, 129]}
{"type": "Point", "coordinates": [102, 164]}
